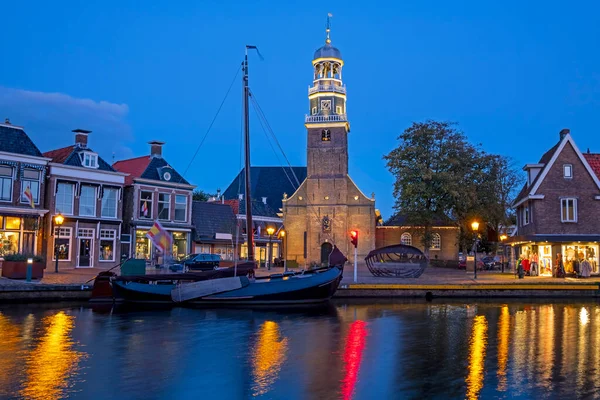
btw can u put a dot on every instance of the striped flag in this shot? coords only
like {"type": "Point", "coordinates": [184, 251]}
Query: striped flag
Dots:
{"type": "Point", "coordinates": [29, 196]}
{"type": "Point", "coordinates": [145, 209]}
{"type": "Point", "coordinates": [160, 237]}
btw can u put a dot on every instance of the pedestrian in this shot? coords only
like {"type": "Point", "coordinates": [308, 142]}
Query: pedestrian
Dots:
{"type": "Point", "coordinates": [586, 268]}
{"type": "Point", "coordinates": [559, 267]}
{"type": "Point", "coordinates": [534, 264]}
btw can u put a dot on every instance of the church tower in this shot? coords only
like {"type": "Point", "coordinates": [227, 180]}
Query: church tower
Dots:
{"type": "Point", "coordinates": [327, 205]}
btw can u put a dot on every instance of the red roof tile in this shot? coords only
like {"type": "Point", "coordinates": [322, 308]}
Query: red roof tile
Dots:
{"type": "Point", "coordinates": [135, 167]}
{"type": "Point", "coordinates": [60, 155]}
{"type": "Point", "coordinates": [594, 161]}
{"type": "Point", "coordinates": [234, 204]}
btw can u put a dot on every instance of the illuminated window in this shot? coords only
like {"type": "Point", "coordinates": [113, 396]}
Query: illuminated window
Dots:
{"type": "Point", "coordinates": [62, 244]}
{"type": "Point", "coordinates": [436, 242]}
{"type": "Point", "coordinates": [326, 135]}
{"type": "Point", "coordinates": [406, 239]}
{"type": "Point", "coordinates": [107, 244]}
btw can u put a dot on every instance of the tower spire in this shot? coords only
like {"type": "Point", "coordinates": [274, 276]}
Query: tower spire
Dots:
{"type": "Point", "coordinates": [328, 39]}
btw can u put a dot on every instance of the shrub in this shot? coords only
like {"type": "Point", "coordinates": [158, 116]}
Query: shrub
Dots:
{"type": "Point", "coordinates": [23, 257]}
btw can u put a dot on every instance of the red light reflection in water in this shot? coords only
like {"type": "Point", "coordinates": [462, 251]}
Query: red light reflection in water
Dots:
{"type": "Point", "coordinates": [355, 345]}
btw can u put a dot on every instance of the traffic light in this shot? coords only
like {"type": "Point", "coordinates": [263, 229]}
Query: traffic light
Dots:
{"type": "Point", "coordinates": [354, 238]}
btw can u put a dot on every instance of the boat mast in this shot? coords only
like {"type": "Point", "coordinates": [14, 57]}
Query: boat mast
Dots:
{"type": "Point", "coordinates": [248, 199]}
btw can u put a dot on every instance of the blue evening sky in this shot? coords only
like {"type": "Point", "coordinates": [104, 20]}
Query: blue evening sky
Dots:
{"type": "Point", "coordinates": [511, 73]}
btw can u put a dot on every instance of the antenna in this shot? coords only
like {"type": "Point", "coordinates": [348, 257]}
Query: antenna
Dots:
{"type": "Point", "coordinates": [328, 39]}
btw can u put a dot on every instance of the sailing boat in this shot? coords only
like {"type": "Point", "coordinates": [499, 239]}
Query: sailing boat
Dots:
{"type": "Point", "coordinates": [310, 286]}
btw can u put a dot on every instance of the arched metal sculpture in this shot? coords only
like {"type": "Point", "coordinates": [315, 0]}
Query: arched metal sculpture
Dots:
{"type": "Point", "coordinates": [398, 261]}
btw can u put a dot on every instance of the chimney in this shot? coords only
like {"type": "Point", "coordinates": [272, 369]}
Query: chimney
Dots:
{"type": "Point", "coordinates": [156, 148]}
{"type": "Point", "coordinates": [564, 133]}
{"type": "Point", "coordinates": [7, 121]}
{"type": "Point", "coordinates": [264, 199]}
{"type": "Point", "coordinates": [81, 137]}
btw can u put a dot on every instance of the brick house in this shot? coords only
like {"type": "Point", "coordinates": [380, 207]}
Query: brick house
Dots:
{"type": "Point", "coordinates": [558, 208]}
{"type": "Point", "coordinates": [216, 229]}
{"type": "Point", "coordinates": [155, 191]}
{"type": "Point", "coordinates": [22, 167]}
{"type": "Point", "coordinates": [88, 192]}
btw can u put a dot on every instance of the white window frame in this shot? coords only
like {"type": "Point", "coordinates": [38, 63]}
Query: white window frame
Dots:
{"type": "Point", "coordinates": [564, 218]}
{"type": "Point", "coordinates": [116, 203]}
{"type": "Point", "coordinates": [526, 215]}
{"type": "Point", "coordinates": [72, 198]}
{"type": "Point", "coordinates": [150, 201]}
{"type": "Point", "coordinates": [11, 178]}
{"type": "Point", "coordinates": [436, 241]}
{"type": "Point", "coordinates": [314, 111]}
{"type": "Point", "coordinates": [168, 203]}
{"type": "Point", "coordinates": [95, 196]}
{"type": "Point", "coordinates": [569, 168]}
{"type": "Point", "coordinates": [61, 233]}
{"type": "Point", "coordinates": [89, 160]}
{"type": "Point", "coordinates": [185, 210]}
{"type": "Point", "coordinates": [25, 181]}
{"type": "Point", "coordinates": [338, 110]}
{"type": "Point", "coordinates": [108, 235]}
{"type": "Point", "coordinates": [406, 239]}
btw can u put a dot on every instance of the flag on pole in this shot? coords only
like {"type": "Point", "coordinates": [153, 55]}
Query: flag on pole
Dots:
{"type": "Point", "coordinates": [160, 237]}
{"type": "Point", "coordinates": [145, 209]}
{"type": "Point", "coordinates": [29, 196]}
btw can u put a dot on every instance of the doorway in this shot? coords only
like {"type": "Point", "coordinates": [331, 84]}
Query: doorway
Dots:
{"type": "Point", "coordinates": [326, 249]}
{"type": "Point", "coordinates": [85, 253]}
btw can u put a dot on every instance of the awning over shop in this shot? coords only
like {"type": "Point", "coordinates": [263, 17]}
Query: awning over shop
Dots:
{"type": "Point", "coordinates": [551, 238]}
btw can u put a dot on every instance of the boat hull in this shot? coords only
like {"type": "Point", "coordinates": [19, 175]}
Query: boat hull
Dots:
{"type": "Point", "coordinates": [309, 289]}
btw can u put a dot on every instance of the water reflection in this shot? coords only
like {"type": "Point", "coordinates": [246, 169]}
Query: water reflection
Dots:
{"type": "Point", "coordinates": [353, 353]}
{"type": "Point", "coordinates": [51, 365]}
{"type": "Point", "coordinates": [477, 357]}
{"type": "Point", "coordinates": [503, 341]}
{"type": "Point", "coordinates": [269, 357]}
{"type": "Point", "coordinates": [9, 333]}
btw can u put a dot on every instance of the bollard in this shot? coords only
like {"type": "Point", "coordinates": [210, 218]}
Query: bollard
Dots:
{"type": "Point", "coordinates": [29, 269]}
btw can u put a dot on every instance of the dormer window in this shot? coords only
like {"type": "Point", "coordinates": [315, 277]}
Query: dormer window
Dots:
{"type": "Point", "coordinates": [568, 171]}
{"type": "Point", "coordinates": [89, 160]}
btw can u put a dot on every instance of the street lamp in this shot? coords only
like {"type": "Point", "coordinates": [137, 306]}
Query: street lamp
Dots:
{"type": "Point", "coordinates": [475, 227]}
{"type": "Point", "coordinates": [502, 239]}
{"type": "Point", "coordinates": [283, 244]}
{"type": "Point", "coordinates": [58, 221]}
{"type": "Point", "coordinates": [270, 231]}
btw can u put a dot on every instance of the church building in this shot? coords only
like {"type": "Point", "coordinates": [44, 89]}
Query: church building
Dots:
{"type": "Point", "coordinates": [328, 204]}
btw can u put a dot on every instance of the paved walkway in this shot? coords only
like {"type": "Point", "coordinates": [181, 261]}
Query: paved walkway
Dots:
{"type": "Point", "coordinates": [431, 276]}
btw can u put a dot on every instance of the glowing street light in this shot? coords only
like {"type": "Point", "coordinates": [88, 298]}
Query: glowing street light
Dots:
{"type": "Point", "coordinates": [58, 221]}
{"type": "Point", "coordinates": [475, 227]}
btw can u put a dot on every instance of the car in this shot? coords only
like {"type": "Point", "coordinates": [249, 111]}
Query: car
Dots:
{"type": "Point", "coordinates": [490, 262]}
{"type": "Point", "coordinates": [198, 262]}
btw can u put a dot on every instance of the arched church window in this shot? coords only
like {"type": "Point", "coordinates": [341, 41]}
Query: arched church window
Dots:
{"type": "Point", "coordinates": [436, 242]}
{"type": "Point", "coordinates": [326, 135]}
{"type": "Point", "coordinates": [406, 239]}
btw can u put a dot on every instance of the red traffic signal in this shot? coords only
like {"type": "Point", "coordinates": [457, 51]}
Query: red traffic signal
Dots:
{"type": "Point", "coordinates": [354, 238]}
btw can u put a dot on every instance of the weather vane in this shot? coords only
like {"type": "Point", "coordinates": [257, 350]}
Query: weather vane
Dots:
{"type": "Point", "coordinates": [329, 15]}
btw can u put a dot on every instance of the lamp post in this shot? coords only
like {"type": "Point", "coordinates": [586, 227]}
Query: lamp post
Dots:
{"type": "Point", "coordinates": [270, 231]}
{"type": "Point", "coordinates": [283, 244]}
{"type": "Point", "coordinates": [502, 239]}
{"type": "Point", "coordinates": [29, 269]}
{"type": "Point", "coordinates": [475, 227]}
{"type": "Point", "coordinates": [58, 221]}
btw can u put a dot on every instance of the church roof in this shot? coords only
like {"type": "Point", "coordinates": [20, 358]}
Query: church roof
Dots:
{"type": "Point", "coordinates": [269, 182]}
{"type": "Point", "coordinates": [327, 51]}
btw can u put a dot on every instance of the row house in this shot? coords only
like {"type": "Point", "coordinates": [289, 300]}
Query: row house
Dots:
{"type": "Point", "coordinates": [88, 193]}
{"type": "Point", "coordinates": [22, 188]}
{"type": "Point", "coordinates": [155, 191]}
{"type": "Point", "coordinates": [558, 209]}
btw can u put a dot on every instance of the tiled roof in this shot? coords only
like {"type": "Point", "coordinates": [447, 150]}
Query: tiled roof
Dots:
{"type": "Point", "coordinates": [546, 157]}
{"type": "Point", "coordinates": [210, 218]}
{"type": "Point", "coordinates": [401, 220]}
{"type": "Point", "coordinates": [594, 160]}
{"type": "Point", "coordinates": [269, 182]}
{"type": "Point", "coordinates": [147, 167]}
{"type": "Point", "coordinates": [70, 155]}
{"type": "Point", "coordinates": [135, 167]}
{"type": "Point", "coordinates": [15, 140]}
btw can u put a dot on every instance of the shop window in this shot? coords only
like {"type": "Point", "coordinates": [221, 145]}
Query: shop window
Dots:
{"type": "Point", "coordinates": [31, 181]}
{"type": "Point", "coordinates": [180, 208]}
{"type": "Point", "coordinates": [568, 210]}
{"type": "Point", "coordinates": [64, 198]}
{"type": "Point", "coordinates": [9, 243]}
{"type": "Point", "coordinates": [436, 242]}
{"type": "Point", "coordinates": [107, 244]}
{"type": "Point", "coordinates": [109, 203]}
{"type": "Point", "coordinates": [164, 204]}
{"type": "Point", "coordinates": [6, 180]}
{"type": "Point", "coordinates": [13, 223]}
{"type": "Point", "coordinates": [179, 245]}
{"type": "Point", "coordinates": [87, 201]}
{"type": "Point", "coordinates": [406, 239]}
{"type": "Point", "coordinates": [62, 244]}
{"type": "Point", "coordinates": [146, 205]}
{"type": "Point", "coordinates": [568, 171]}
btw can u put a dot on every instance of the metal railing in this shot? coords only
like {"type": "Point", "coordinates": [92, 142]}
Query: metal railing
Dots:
{"type": "Point", "coordinates": [327, 88]}
{"type": "Point", "coordinates": [326, 118]}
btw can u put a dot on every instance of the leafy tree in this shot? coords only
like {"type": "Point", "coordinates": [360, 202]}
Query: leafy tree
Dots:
{"type": "Point", "coordinates": [201, 195]}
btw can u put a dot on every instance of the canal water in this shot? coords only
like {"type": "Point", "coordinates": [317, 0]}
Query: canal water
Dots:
{"type": "Point", "coordinates": [348, 350]}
